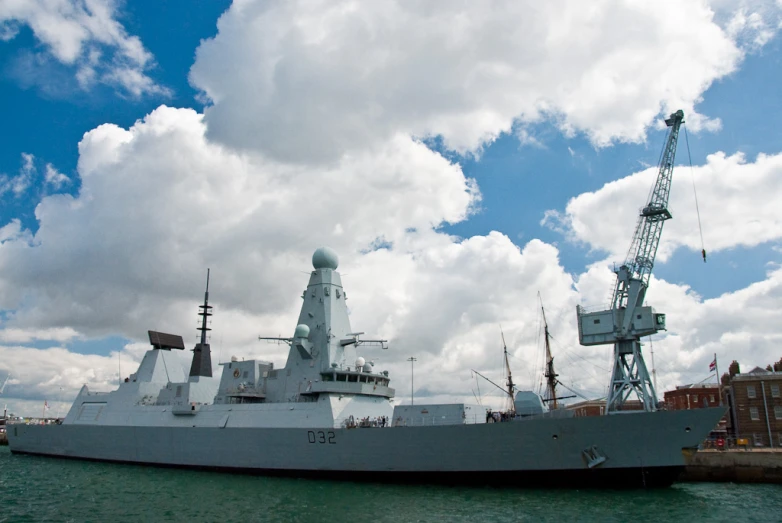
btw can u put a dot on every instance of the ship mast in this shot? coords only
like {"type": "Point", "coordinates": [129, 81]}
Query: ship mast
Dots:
{"type": "Point", "coordinates": [551, 376]}
{"type": "Point", "coordinates": [202, 358]}
{"type": "Point", "coordinates": [511, 406]}
{"type": "Point", "coordinates": [204, 313]}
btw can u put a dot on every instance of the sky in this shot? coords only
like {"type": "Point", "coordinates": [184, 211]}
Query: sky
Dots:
{"type": "Point", "coordinates": [467, 160]}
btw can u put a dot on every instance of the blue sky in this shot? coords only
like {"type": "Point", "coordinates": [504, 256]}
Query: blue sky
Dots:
{"type": "Point", "coordinates": [47, 113]}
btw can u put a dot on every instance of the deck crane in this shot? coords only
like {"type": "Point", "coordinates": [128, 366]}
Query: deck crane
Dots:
{"type": "Point", "coordinates": [628, 320]}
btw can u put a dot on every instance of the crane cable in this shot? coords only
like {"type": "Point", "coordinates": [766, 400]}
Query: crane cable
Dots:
{"type": "Point", "coordinates": [697, 210]}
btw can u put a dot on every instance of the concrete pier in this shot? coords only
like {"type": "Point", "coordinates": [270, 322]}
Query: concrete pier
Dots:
{"type": "Point", "coordinates": [738, 466]}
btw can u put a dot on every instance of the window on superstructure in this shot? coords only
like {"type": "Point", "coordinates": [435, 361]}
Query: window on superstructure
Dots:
{"type": "Point", "coordinates": [751, 391]}
{"type": "Point", "coordinates": [774, 390]}
{"type": "Point", "coordinates": [695, 398]}
{"type": "Point", "coordinates": [711, 398]}
{"type": "Point", "coordinates": [753, 413]}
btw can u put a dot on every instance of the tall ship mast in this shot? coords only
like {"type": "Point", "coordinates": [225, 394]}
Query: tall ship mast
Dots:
{"type": "Point", "coordinates": [510, 405]}
{"type": "Point", "coordinates": [551, 376]}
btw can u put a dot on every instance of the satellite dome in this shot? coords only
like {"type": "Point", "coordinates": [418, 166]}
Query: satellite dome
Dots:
{"type": "Point", "coordinates": [367, 367]}
{"type": "Point", "coordinates": [325, 258]}
{"type": "Point", "coordinates": [360, 362]}
{"type": "Point", "coordinates": [302, 331]}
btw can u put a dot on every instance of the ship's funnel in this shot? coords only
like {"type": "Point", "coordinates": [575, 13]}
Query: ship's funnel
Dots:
{"type": "Point", "coordinates": [202, 355]}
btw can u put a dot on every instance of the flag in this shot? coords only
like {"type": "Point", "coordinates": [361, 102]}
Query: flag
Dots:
{"type": "Point", "coordinates": [713, 365]}
{"type": "Point", "coordinates": [45, 405]}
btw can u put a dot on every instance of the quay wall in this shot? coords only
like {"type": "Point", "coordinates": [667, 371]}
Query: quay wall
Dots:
{"type": "Point", "coordinates": [738, 466]}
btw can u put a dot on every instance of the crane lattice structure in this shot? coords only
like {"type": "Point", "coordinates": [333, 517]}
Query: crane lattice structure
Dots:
{"type": "Point", "coordinates": [628, 320]}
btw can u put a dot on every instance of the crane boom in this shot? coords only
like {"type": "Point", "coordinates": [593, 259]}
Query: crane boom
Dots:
{"type": "Point", "coordinates": [628, 320]}
{"type": "Point", "coordinates": [643, 249]}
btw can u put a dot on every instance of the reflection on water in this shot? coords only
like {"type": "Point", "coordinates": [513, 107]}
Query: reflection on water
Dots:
{"type": "Point", "coordinates": [36, 489]}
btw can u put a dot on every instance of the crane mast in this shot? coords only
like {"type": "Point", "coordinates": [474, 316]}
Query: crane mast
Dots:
{"type": "Point", "coordinates": [627, 321]}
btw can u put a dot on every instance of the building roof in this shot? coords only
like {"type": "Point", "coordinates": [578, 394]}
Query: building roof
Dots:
{"type": "Point", "coordinates": [696, 386]}
{"type": "Point", "coordinates": [758, 374]}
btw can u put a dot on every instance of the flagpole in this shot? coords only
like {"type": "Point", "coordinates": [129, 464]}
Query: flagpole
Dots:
{"type": "Point", "coordinates": [719, 383]}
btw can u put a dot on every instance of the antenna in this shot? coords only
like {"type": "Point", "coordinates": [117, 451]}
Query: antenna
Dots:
{"type": "Point", "coordinates": [202, 356]}
{"type": "Point", "coordinates": [204, 312]}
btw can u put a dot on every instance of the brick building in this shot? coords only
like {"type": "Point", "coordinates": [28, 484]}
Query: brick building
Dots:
{"type": "Point", "coordinates": [699, 396]}
{"type": "Point", "coordinates": [696, 396]}
{"type": "Point", "coordinates": [755, 402]}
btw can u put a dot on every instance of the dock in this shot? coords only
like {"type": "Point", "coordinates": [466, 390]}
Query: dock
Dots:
{"type": "Point", "coordinates": [737, 466]}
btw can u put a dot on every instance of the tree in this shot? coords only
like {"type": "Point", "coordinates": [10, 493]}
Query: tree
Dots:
{"type": "Point", "coordinates": [725, 379]}
{"type": "Point", "coordinates": [778, 366]}
{"type": "Point", "coordinates": [768, 368]}
{"type": "Point", "coordinates": [734, 369]}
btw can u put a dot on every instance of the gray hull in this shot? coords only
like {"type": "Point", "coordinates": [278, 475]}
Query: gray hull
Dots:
{"type": "Point", "coordinates": [625, 450]}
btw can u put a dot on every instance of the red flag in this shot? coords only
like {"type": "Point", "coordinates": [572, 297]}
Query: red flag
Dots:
{"type": "Point", "coordinates": [713, 365]}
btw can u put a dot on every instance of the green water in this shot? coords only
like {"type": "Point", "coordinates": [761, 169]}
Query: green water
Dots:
{"type": "Point", "coordinates": [45, 489]}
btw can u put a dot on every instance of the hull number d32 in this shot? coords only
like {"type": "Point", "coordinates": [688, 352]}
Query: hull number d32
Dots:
{"type": "Point", "coordinates": [321, 436]}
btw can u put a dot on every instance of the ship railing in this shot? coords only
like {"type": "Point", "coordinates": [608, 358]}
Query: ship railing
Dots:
{"type": "Point", "coordinates": [352, 422]}
{"type": "Point", "coordinates": [428, 421]}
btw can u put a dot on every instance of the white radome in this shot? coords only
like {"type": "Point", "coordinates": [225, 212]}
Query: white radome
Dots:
{"type": "Point", "coordinates": [325, 258]}
{"type": "Point", "coordinates": [302, 331]}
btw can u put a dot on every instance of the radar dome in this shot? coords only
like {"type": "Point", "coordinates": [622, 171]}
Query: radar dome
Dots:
{"type": "Point", "coordinates": [302, 331]}
{"type": "Point", "coordinates": [360, 362]}
{"type": "Point", "coordinates": [325, 258]}
{"type": "Point", "coordinates": [367, 367]}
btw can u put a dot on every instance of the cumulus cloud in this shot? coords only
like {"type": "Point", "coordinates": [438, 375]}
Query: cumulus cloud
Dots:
{"type": "Point", "coordinates": [86, 36]}
{"type": "Point", "coordinates": [324, 77]}
{"type": "Point", "coordinates": [737, 202]}
{"type": "Point", "coordinates": [56, 374]}
{"type": "Point", "coordinates": [313, 137]}
{"type": "Point", "coordinates": [159, 198]}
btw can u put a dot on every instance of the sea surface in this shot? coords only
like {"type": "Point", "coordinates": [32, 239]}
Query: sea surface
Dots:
{"type": "Point", "coordinates": [48, 489]}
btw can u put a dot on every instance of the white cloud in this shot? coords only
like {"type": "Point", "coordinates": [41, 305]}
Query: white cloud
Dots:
{"type": "Point", "coordinates": [21, 182]}
{"type": "Point", "coordinates": [54, 177]}
{"type": "Point", "coordinates": [320, 106]}
{"type": "Point", "coordinates": [159, 199]}
{"type": "Point", "coordinates": [86, 35]}
{"type": "Point", "coordinates": [57, 374]}
{"type": "Point", "coordinates": [12, 335]}
{"type": "Point", "coordinates": [737, 202]}
{"type": "Point", "coordinates": [322, 78]}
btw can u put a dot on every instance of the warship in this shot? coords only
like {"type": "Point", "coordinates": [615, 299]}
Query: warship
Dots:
{"type": "Point", "coordinates": [328, 413]}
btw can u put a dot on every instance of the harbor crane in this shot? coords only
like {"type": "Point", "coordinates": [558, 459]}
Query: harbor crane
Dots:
{"type": "Point", "coordinates": [628, 320]}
